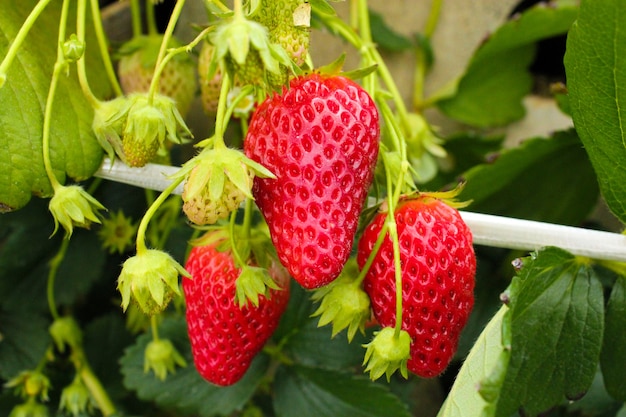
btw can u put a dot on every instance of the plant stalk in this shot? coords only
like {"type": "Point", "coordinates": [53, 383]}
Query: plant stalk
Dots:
{"type": "Point", "coordinates": [19, 39]}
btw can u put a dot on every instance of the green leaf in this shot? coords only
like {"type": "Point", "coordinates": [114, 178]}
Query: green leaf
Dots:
{"type": "Point", "coordinates": [28, 228]}
{"type": "Point", "coordinates": [23, 341]}
{"type": "Point", "coordinates": [596, 80]}
{"type": "Point", "coordinates": [313, 392]}
{"type": "Point", "coordinates": [491, 91]}
{"type": "Point", "coordinates": [74, 150]}
{"type": "Point", "coordinates": [535, 181]}
{"type": "Point", "coordinates": [613, 359]}
{"type": "Point", "coordinates": [464, 399]}
{"type": "Point", "coordinates": [81, 268]}
{"type": "Point", "coordinates": [186, 391]}
{"type": "Point", "coordinates": [464, 151]}
{"type": "Point", "coordinates": [496, 80]}
{"type": "Point", "coordinates": [556, 324]}
{"type": "Point", "coordinates": [385, 37]}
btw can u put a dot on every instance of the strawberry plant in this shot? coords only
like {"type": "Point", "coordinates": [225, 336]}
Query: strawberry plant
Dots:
{"type": "Point", "coordinates": [243, 208]}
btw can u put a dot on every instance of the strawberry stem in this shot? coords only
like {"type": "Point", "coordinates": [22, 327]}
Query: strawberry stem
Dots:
{"type": "Point", "coordinates": [145, 220]}
{"type": "Point", "coordinates": [92, 382]}
{"type": "Point", "coordinates": [55, 262]}
{"type": "Point", "coordinates": [59, 66]}
{"type": "Point", "coordinates": [104, 48]}
{"type": "Point", "coordinates": [220, 117]}
{"type": "Point", "coordinates": [135, 14]}
{"type": "Point", "coordinates": [150, 18]}
{"type": "Point", "coordinates": [171, 53]}
{"type": "Point", "coordinates": [80, 64]}
{"type": "Point", "coordinates": [154, 326]}
{"type": "Point", "coordinates": [19, 39]}
{"type": "Point", "coordinates": [433, 18]}
{"type": "Point", "coordinates": [421, 64]}
{"type": "Point", "coordinates": [239, 262]}
{"type": "Point", "coordinates": [167, 36]}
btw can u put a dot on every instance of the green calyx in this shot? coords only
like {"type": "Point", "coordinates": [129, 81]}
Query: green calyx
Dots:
{"type": "Point", "coordinates": [161, 357]}
{"type": "Point", "coordinates": [31, 408]}
{"type": "Point", "coordinates": [388, 352]}
{"type": "Point", "coordinates": [251, 283]}
{"type": "Point", "coordinates": [65, 332]}
{"type": "Point", "coordinates": [136, 126]}
{"type": "Point", "coordinates": [218, 180]}
{"type": "Point", "coordinates": [150, 278]}
{"type": "Point", "coordinates": [108, 124]}
{"type": "Point", "coordinates": [73, 206]}
{"type": "Point", "coordinates": [76, 399]}
{"type": "Point", "coordinates": [423, 148]}
{"type": "Point", "coordinates": [237, 41]}
{"type": "Point", "coordinates": [30, 384]}
{"type": "Point", "coordinates": [149, 123]}
{"type": "Point", "coordinates": [344, 304]}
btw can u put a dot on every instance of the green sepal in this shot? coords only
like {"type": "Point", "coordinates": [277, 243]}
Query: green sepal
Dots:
{"type": "Point", "coordinates": [30, 384]}
{"type": "Point", "coordinates": [72, 206]}
{"type": "Point", "coordinates": [344, 303]}
{"type": "Point", "coordinates": [334, 67]}
{"type": "Point", "coordinates": [360, 73]}
{"type": "Point", "coordinates": [65, 332]}
{"type": "Point", "coordinates": [388, 352]}
{"type": "Point", "coordinates": [76, 398]}
{"type": "Point", "coordinates": [151, 279]}
{"type": "Point", "coordinates": [252, 282]}
{"type": "Point", "coordinates": [214, 165]}
{"type": "Point", "coordinates": [162, 358]}
{"type": "Point", "coordinates": [30, 408]}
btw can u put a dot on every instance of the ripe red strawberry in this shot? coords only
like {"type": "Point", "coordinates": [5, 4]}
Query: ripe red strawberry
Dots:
{"type": "Point", "coordinates": [320, 139]}
{"type": "Point", "coordinates": [438, 268]}
{"type": "Point", "coordinates": [224, 337]}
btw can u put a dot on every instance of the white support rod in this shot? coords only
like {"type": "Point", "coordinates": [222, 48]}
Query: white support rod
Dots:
{"type": "Point", "coordinates": [151, 176]}
{"type": "Point", "coordinates": [489, 230]}
{"type": "Point", "coordinates": [506, 232]}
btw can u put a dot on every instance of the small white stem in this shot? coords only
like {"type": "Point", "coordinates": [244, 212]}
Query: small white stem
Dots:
{"type": "Point", "coordinates": [488, 230]}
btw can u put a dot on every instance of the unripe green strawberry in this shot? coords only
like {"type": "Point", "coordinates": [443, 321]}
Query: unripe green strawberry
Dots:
{"type": "Point", "coordinates": [137, 65]}
{"type": "Point", "coordinates": [320, 138]}
{"type": "Point", "coordinates": [438, 269]}
{"type": "Point", "coordinates": [149, 123]}
{"type": "Point", "coordinates": [288, 23]}
{"type": "Point", "coordinates": [225, 337]}
{"type": "Point", "coordinates": [201, 209]}
{"type": "Point", "coordinates": [218, 180]}
{"type": "Point", "coordinates": [209, 87]}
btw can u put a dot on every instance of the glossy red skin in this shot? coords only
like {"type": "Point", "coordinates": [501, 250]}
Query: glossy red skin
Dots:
{"type": "Point", "coordinates": [438, 273]}
{"type": "Point", "coordinates": [320, 138]}
{"type": "Point", "coordinates": [224, 338]}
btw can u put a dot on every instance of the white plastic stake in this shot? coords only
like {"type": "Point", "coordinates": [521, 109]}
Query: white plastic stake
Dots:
{"type": "Point", "coordinates": [151, 176]}
{"type": "Point", "coordinates": [496, 231]}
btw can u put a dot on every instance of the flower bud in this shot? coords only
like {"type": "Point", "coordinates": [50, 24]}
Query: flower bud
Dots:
{"type": "Point", "coordinates": [73, 48]}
